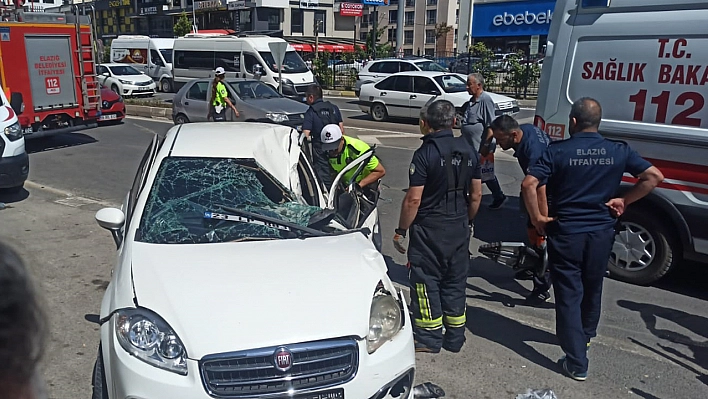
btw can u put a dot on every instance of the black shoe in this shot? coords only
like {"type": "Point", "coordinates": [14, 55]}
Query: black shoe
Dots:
{"type": "Point", "coordinates": [452, 349]}
{"type": "Point", "coordinates": [526, 274]}
{"type": "Point", "coordinates": [537, 297]}
{"type": "Point", "coordinates": [497, 203]}
{"type": "Point", "coordinates": [420, 348]}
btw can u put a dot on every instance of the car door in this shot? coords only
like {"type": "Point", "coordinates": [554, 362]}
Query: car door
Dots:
{"type": "Point", "coordinates": [398, 95]}
{"type": "Point", "coordinates": [156, 66]}
{"type": "Point", "coordinates": [423, 90]}
{"type": "Point", "coordinates": [351, 205]}
{"type": "Point", "coordinates": [196, 101]}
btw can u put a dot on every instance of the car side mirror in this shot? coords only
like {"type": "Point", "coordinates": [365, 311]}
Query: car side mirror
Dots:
{"type": "Point", "coordinates": [105, 74]}
{"type": "Point", "coordinates": [17, 103]}
{"type": "Point", "coordinates": [113, 220]}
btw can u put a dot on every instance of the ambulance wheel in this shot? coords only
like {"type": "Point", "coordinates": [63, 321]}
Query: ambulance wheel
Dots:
{"type": "Point", "coordinates": [100, 387]}
{"type": "Point", "coordinates": [378, 112]}
{"type": "Point", "coordinates": [645, 250]}
{"type": "Point", "coordinates": [115, 89]}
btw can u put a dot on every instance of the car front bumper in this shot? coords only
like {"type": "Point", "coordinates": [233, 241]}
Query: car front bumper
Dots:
{"type": "Point", "coordinates": [14, 170]}
{"type": "Point", "coordinates": [508, 111]}
{"type": "Point", "coordinates": [133, 90]}
{"type": "Point", "coordinates": [114, 113]}
{"type": "Point", "coordinates": [390, 369]}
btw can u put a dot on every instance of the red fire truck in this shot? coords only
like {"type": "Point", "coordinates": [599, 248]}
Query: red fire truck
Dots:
{"type": "Point", "coordinates": [48, 70]}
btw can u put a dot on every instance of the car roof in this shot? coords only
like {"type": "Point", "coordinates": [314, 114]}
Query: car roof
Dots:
{"type": "Point", "coordinates": [430, 74]}
{"type": "Point", "coordinates": [113, 64]}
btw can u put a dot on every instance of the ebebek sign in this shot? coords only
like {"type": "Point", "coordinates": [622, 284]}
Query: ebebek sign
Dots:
{"type": "Point", "coordinates": [514, 18]}
{"type": "Point", "coordinates": [527, 18]}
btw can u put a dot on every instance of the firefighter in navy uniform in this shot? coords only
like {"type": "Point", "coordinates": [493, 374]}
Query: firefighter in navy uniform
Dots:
{"type": "Point", "coordinates": [583, 174]}
{"type": "Point", "coordinates": [442, 199]}
{"type": "Point", "coordinates": [529, 143]}
{"type": "Point", "coordinates": [320, 114]}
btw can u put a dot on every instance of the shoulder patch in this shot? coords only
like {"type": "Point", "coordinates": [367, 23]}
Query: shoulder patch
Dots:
{"type": "Point", "coordinates": [411, 169]}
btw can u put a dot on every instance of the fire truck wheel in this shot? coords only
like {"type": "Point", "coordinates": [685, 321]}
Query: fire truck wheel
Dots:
{"type": "Point", "coordinates": [645, 250]}
{"type": "Point", "coordinates": [100, 387]}
{"type": "Point", "coordinates": [115, 89]}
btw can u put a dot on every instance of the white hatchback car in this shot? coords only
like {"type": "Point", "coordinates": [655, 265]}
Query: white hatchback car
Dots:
{"type": "Point", "coordinates": [126, 80]}
{"type": "Point", "coordinates": [238, 278]}
{"type": "Point", "coordinates": [403, 95]}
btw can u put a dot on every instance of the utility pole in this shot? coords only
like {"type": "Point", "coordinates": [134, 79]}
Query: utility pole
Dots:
{"type": "Point", "coordinates": [399, 26]}
{"type": "Point", "coordinates": [317, 39]}
{"type": "Point", "coordinates": [374, 35]}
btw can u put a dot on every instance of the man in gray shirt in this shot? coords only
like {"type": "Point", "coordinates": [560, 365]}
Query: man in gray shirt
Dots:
{"type": "Point", "coordinates": [478, 116]}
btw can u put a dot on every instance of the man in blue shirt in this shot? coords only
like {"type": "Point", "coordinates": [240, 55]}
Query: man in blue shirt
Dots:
{"type": "Point", "coordinates": [529, 143]}
{"type": "Point", "coordinates": [582, 175]}
{"type": "Point", "coordinates": [320, 114]}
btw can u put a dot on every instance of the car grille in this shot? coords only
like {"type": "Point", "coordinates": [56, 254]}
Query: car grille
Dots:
{"type": "Point", "coordinates": [252, 373]}
{"type": "Point", "coordinates": [301, 89]}
{"type": "Point", "coordinates": [505, 105]}
{"type": "Point", "coordinates": [148, 83]}
{"type": "Point", "coordinates": [296, 118]}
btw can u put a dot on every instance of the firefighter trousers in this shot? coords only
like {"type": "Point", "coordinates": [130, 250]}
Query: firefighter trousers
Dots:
{"type": "Point", "coordinates": [438, 254]}
{"type": "Point", "coordinates": [578, 263]}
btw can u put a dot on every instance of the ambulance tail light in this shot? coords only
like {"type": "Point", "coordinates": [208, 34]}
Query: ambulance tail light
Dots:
{"type": "Point", "coordinates": [539, 122]}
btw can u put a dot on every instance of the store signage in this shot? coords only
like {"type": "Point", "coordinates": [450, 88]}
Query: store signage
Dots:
{"type": "Point", "coordinates": [351, 9]}
{"type": "Point", "coordinates": [236, 5]}
{"type": "Point", "coordinates": [119, 3]}
{"type": "Point", "coordinates": [376, 2]}
{"type": "Point", "coordinates": [148, 10]}
{"type": "Point", "coordinates": [520, 18]}
{"type": "Point", "coordinates": [309, 3]}
{"type": "Point", "coordinates": [208, 4]}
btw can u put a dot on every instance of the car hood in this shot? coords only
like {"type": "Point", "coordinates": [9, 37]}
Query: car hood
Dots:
{"type": "Point", "coordinates": [135, 78]}
{"type": "Point", "coordinates": [277, 105]}
{"type": "Point", "coordinates": [234, 296]}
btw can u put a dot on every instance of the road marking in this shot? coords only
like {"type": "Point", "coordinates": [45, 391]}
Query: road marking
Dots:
{"type": "Point", "coordinates": [69, 199]}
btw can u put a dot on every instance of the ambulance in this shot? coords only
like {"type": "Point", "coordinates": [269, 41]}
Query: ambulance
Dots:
{"type": "Point", "coordinates": [646, 62]}
{"type": "Point", "coordinates": [14, 162]}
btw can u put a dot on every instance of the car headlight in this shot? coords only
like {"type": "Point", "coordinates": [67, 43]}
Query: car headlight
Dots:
{"type": "Point", "coordinates": [276, 117]}
{"type": "Point", "coordinates": [496, 106]}
{"type": "Point", "coordinates": [14, 131]}
{"type": "Point", "coordinates": [125, 82]}
{"type": "Point", "coordinates": [148, 337]}
{"type": "Point", "coordinates": [385, 321]}
{"type": "Point", "coordinates": [514, 103]}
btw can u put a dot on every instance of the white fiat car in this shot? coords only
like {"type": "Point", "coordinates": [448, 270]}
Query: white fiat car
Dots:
{"type": "Point", "coordinates": [237, 277]}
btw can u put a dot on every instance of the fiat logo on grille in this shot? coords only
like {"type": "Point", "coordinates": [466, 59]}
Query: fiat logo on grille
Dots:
{"type": "Point", "coordinates": [283, 359]}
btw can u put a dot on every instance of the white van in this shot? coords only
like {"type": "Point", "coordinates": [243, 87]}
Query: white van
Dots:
{"type": "Point", "coordinates": [146, 54]}
{"type": "Point", "coordinates": [647, 63]}
{"type": "Point", "coordinates": [197, 55]}
{"type": "Point", "coordinates": [14, 162]}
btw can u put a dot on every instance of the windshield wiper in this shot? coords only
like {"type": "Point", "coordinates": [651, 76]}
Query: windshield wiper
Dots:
{"type": "Point", "coordinates": [238, 215]}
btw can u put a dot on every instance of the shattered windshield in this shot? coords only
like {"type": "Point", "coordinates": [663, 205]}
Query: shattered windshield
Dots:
{"type": "Point", "coordinates": [186, 188]}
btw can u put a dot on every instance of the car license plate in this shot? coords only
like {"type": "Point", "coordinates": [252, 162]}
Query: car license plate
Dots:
{"type": "Point", "coordinates": [107, 117]}
{"type": "Point", "coordinates": [329, 394]}
{"type": "Point", "coordinates": [304, 99]}
{"type": "Point", "coordinates": [507, 112]}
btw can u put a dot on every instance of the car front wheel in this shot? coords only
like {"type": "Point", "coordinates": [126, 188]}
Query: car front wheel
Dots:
{"type": "Point", "coordinates": [644, 251]}
{"type": "Point", "coordinates": [378, 112]}
{"type": "Point", "coordinates": [166, 86]}
{"type": "Point", "coordinates": [115, 89]}
{"type": "Point", "coordinates": [100, 387]}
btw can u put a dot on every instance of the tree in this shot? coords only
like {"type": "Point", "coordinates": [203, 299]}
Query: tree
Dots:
{"type": "Point", "coordinates": [441, 30]}
{"type": "Point", "coordinates": [183, 26]}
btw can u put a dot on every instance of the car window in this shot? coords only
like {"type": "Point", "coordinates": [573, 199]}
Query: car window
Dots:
{"type": "Point", "coordinates": [292, 62]}
{"type": "Point", "coordinates": [123, 70]}
{"type": "Point", "coordinates": [403, 83]}
{"type": "Point", "coordinates": [250, 61]}
{"type": "Point", "coordinates": [229, 60]}
{"type": "Point", "coordinates": [155, 58]}
{"type": "Point", "coordinates": [376, 67]}
{"type": "Point", "coordinates": [389, 67]}
{"type": "Point", "coordinates": [252, 89]}
{"type": "Point", "coordinates": [422, 84]}
{"type": "Point", "coordinates": [406, 67]}
{"type": "Point", "coordinates": [166, 54]}
{"type": "Point", "coordinates": [430, 66]}
{"type": "Point", "coordinates": [187, 189]}
{"type": "Point", "coordinates": [451, 83]}
{"type": "Point", "coordinates": [386, 84]}
{"type": "Point", "coordinates": [102, 69]}
{"type": "Point", "coordinates": [198, 91]}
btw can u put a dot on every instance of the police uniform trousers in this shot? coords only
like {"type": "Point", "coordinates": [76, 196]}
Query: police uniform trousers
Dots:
{"type": "Point", "coordinates": [320, 162]}
{"type": "Point", "coordinates": [438, 253]}
{"type": "Point", "coordinates": [578, 263]}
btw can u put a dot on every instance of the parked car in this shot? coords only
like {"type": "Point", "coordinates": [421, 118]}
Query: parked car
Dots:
{"type": "Point", "coordinates": [126, 80]}
{"type": "Point", "coordinates": [344, 66]}
{"type": "Point", "coordinates": [404, 94]}
{"type": "Point", "coordinates": [254, 100]}
{"type": "Point", "coordinates": [465, 64]}
{"type": "Point", "coordinates": [236, 276]}
{"type": "Point", "coordinates": [375, 71]}
{"type": "Point", "coordinates": [501, 62]}
{"type": "Point", "coordinates": [112, 106]}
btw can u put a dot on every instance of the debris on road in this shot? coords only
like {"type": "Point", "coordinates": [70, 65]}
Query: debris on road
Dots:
{"type": "Point", "coordinates": [537, 394]}
{"type": "Point", "coordinates": [428, 390]}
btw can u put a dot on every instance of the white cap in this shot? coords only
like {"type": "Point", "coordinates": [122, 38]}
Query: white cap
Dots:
{"type": "Point", "coordinates": [219, 71]}
{"type": "Point", "coordinates": [330, 137]}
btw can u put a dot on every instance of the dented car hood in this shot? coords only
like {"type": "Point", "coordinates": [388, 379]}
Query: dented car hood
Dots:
{"type": "Point", "coordinates": [243, 295]}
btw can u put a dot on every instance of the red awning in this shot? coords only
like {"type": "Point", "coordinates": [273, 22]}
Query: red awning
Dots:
{"type": "Point", "coordinates": [302, 47]}
{"type": "Point", "coordinates": [336, 48]}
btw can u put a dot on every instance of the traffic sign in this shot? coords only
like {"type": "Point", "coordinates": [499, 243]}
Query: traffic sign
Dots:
{"type": "Point", "coordinates": [533, 50]}
{"type": "Point", "coordinates": [278, 50]}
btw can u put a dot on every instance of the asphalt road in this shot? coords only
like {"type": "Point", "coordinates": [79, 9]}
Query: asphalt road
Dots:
{"type": "Point", "coordinates": [652, 343]}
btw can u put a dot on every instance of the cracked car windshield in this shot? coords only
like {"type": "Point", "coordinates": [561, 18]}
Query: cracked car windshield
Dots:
{"type": "Point", "coordinates": [186, 188]}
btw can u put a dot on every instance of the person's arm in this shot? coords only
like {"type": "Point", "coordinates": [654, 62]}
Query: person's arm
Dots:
{"type": "Point", "coordinates": [537, 173]}
{"type": "Point", "coordinates": [542, 200]}
{"type": "Point", "coordinates": [307, 123]}
{"type": "Point", "coordinates": [376, 172]}
{"type": "Point", "coordinates": [475, 198]}
{"type": "Point", "coordinates": [488, 114]}
{"type": "Point", "coordinates": [409, 207]}
{"type": "Point", "coordinates": [338, 118]}
{"type": "Point", "coordinates": [648, 180]}
{"type": "Point", "coordinates": [232, 106]}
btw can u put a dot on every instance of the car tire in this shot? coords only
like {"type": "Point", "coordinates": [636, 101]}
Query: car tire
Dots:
{"type": "Point", "coordinates": [115, 89]}
{"type": "Point", "coordinates": [181, 119]}
{"type": "Point", "coordinates": [378, 112]}
{"type": "Point", "coordinates": [98, 383]}
{"type": "Point", "coordinates": [166, 86]}
{"type": "Point", "coordinates": [645, 250]}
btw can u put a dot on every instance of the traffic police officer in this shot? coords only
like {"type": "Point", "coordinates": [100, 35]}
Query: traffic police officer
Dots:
{"type": "Point", "coordinates": [583, 174]}
{"type": "Point", "coordinates": [528, 143]}
{"type": "Point", "coordinates": [443, 197]}
{"type": "Point", "coordinates": [343, 150]}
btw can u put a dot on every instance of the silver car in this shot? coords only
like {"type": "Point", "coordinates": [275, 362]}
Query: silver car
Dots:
{"type": "Point", "coordinates": [254, 100]}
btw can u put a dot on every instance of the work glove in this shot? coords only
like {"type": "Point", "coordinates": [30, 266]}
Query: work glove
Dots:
{"type": "Point", "coordinates": [399, 242]}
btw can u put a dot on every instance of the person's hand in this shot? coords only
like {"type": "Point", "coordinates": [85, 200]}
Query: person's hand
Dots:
{"type": "Point", "coordinates": [540, 224]}
{"type": "Point", "coordinates": [399, 243]}
{"type": "Point", "coordinates": [236, 113]}
{"type": "Point", "coordinates": [616, 206]}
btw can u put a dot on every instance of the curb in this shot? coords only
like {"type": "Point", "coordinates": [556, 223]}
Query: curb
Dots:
{"type": "Point", "coordinates": [339, 93]}
{"type": "Point", "coordinates": [148, 112]}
